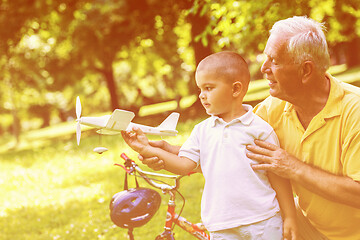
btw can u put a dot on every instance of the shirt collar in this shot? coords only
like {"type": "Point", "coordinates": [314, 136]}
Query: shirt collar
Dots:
{"type": "Point", "coordinates": [333, 104]}
{"type": "Point", "coordinates": [332, 107]}
{"type": "Point", "coordinates": [245, 119]}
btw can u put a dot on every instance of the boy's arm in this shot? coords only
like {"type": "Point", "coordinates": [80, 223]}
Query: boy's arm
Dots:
{"type": "Point", "coordinates": [137, 140]}
{"type": "Point", "coordinates": [154, 162]}
{"type": "Point", "coordinates": [172, 162]}
{"type": "Point", "coordinates": [285, 197]}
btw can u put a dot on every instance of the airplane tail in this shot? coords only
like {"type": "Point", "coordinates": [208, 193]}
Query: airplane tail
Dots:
{"type": "Point", "coordinates": [170, 122]}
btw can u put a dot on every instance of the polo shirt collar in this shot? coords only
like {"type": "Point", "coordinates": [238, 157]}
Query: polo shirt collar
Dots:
{"type": "Point", "coordinates": [245, 119]}
{"type": "Point", "coordinates": [333, 104]}
{"type": "Point", "coordinates": [332, 107]}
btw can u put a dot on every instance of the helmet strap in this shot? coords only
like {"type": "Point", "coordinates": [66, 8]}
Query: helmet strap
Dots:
{"type": "Point", "coordinates": [136, 182]}
{"type": "Point", "coordinates": [130, 233]}
{"type": "Point", "coordinates": [126, 182]}
{"type": "Point", "coordinates": [126, 185]}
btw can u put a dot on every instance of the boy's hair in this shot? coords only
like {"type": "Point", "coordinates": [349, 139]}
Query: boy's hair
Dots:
{"type": "Point", "coordinates": [229, 65]}
{"type": "Point", "coordinates": [306, 40]}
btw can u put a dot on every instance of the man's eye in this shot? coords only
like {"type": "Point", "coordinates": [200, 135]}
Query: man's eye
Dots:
{"type": "Point", "coordinates": [208, 88]}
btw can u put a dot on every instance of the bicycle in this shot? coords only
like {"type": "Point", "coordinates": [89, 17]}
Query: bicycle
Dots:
{"type": "Point", "coordinates": [172, 218]}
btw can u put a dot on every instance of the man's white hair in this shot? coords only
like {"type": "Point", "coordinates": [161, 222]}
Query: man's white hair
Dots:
{"type": "Point", "coordinates": [306, 40]}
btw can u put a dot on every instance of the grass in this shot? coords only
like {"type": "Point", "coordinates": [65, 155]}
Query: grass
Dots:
{"type": "Point", "coordinates": [53, 189]}
{"type": "Point", "coordinates": [57, 190]}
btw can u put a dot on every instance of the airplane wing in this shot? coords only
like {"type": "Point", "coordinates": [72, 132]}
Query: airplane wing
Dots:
{"type": "Point", "coordinates": [119, 120]}
{"type": "Point", "coordinates": [97, 122]}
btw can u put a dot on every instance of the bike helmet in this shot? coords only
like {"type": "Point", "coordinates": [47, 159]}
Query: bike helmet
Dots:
{"type": "Point", "coordinates": [134, 207]}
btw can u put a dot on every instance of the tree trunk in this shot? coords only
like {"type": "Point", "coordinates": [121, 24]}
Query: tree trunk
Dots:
{"type": "Point", "coordinates": [110, 81]}
{"type": "Point", "coordinates": [16, 126]}
{"type": "Point", "coordinates": [352, 53]}
{"type": "Point", "coordinates": [198, 26]}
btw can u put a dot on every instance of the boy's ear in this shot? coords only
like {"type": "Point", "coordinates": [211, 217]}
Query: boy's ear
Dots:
{"type": "Point", "coordinates": [237, 88]}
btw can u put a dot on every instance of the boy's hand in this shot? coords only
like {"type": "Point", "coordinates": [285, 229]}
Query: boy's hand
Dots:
{"type": "Point", "coordinates": [290, 229]}
{"type": "Point", "coordinates": [136, 139]}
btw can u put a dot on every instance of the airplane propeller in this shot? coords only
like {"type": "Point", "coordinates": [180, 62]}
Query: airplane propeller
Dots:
{"type": "Point", "coordinates": [78, 115]}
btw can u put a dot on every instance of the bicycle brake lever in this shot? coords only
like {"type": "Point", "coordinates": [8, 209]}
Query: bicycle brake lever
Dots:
{"type": "Point", "coordinates": [126, 169]}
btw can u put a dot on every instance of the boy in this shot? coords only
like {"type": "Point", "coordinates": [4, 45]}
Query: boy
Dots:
{"type": "Point", "coordinates": [237, 202]}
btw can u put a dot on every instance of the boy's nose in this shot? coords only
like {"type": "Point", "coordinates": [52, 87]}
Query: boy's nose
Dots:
{"type": "Point", "coordinates": [201, 95]}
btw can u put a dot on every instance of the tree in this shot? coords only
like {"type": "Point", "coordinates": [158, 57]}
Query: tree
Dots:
{"type": "Point", "coordinates": [138, 50]}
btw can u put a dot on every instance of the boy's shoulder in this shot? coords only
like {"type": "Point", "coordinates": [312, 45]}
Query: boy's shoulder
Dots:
{"type": "Point", "coordinates": [206, 122]}
{"type": "Point", "coordinates": [258, 121]}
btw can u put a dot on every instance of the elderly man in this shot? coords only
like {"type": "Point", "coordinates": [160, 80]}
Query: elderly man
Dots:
{"type": "Point", "coordinates": [317, 120]}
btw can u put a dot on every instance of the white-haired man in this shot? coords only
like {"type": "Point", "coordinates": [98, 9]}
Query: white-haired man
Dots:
{"type": "Point", "coordinates": [317, 120]}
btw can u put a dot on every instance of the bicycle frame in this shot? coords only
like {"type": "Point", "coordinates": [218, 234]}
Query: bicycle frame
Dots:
{"type": "Point", "coordinates": [197, 230]}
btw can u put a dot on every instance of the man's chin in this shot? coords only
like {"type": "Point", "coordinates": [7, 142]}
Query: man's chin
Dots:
{"type": "Point", "coordinates": [272, 92]}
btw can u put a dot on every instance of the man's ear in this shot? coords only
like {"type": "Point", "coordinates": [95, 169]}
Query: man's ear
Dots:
{"type": "Point", "coordinates": [237, 88]}
{"type": "Point", "coordinates": [307, 69]}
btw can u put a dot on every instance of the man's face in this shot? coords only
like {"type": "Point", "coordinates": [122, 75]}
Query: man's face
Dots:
{"type": "Point", "coordinates": [282, 73]}
{"type": "Point", "coordinates": [215, 93]}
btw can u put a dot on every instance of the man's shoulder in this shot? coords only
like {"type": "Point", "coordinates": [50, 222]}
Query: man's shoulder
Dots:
{"type": "Point", "coordinates": [270, 108]}
{"type": "Point", "coordinates": [258, 121]}
{"type": "Point", "coordinates": [351, 103]}
{"type": "Point", "coordinates": [351, 98]}
{"type": "Point", "coordinates": [350, 89]}
{"type": "Point", "coordinates": [272, 102]}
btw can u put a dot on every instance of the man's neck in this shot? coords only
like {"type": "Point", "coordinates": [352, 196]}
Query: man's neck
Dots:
{"type": "Point", "coordinates": [312, 102]}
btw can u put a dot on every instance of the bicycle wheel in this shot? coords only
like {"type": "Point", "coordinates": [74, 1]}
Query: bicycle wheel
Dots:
{"type": "Point", "coordinates": [165, 236]}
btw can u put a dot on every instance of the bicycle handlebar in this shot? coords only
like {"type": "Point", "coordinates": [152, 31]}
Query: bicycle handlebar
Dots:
{"type": "Point", "coordinates": [131, 167]}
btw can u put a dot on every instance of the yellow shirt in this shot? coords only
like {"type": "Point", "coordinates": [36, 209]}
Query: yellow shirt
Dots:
{"type": "Point", "coordinates": [331, 142]}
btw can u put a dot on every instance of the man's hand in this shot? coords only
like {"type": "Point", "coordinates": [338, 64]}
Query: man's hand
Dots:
{"type": "Point", "coordinates": [273, 158]}
{"type": "Point", "coordinates": [152, 162]}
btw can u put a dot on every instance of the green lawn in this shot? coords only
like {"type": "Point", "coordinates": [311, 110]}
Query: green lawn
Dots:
{"type": "Point", "coordinates": [53, 189]}
{"type": "Point", "coordinates": [57, 190]}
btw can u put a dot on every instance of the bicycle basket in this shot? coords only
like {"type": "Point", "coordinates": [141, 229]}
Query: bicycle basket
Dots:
{"type": "Point", "coordinates": [134, 207]}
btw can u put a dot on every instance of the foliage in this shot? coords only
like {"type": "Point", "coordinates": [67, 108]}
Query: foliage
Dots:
{"type": "Point", "coordinates": [132, 53]}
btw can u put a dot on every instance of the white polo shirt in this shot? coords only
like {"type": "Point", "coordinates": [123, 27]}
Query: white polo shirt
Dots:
{"type": "Point", "coordinates": [234, 194]}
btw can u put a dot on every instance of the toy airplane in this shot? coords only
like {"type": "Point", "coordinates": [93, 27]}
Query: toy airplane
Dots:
{"type": "Point", "coordinates": [121, 120]}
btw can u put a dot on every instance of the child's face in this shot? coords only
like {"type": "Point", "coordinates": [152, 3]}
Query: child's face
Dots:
{"type": "Point", "coordinates": [216, 93]}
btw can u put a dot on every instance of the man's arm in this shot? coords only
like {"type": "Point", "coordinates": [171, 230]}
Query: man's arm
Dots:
{"type": "Point", "coordinates": [341, 189]}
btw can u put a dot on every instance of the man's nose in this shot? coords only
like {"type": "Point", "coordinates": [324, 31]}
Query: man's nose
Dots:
{"type": "Point", "coordinates": [265, 66]}
{"type": "Point", "coordinates": [202, 95]}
